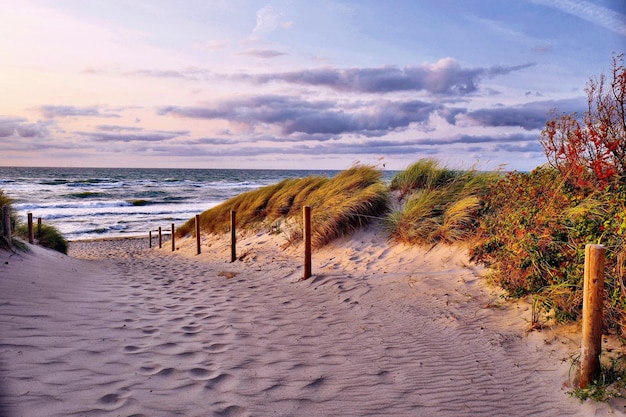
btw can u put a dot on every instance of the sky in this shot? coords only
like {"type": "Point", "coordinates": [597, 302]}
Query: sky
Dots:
{"type": "Point", "coordinates": [295, 84]}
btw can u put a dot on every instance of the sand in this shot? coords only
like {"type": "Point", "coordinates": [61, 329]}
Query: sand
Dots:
{"type": "Point", "coordinates": [120, 329]}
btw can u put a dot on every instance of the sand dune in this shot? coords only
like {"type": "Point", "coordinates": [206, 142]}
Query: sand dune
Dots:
{"type": "Point", "coordinates": [120, 329]}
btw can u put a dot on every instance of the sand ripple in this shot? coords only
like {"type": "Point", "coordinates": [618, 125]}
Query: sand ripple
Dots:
{"type": "Point", "coordinates": [135, 332]}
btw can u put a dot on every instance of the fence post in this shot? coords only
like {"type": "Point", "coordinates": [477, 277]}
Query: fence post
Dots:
{"type": "Point", "coordinates": [150, 238]}
{"type": "Point", "coordinates": [6, 224]}
{"type": "Point", "coordinates": [31, 234]}
{"type": "Point", "coordinates": [198, 234]}
{"type": "Point", "coordinates": [38, 227]}
{"type": "Point", "coordinates": [306, 211]}
{"type": "Point", "coordinates": [173, 242]}
{"type": "Point", "coordinates": [233, 236]}
{"type": "Point", "coordinates": [593, 297]}
{"type": "Point", "coordinates": [160, 238]}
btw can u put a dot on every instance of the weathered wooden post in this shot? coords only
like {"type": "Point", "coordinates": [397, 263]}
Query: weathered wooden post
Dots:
{"type": "Point", "coordinates": [233, 236]}
{"type": "Point", "coordinates": [593, 297]}
{"type": "Point", "coordinates": [31, 234]}
{"type": "Point", "coordinates": [39, 226]}
{"type": "Point", "coordinates": [173, 242]}
{"type": "Point", "coordinates": [160, 238]}
{"type": "Point", "coordinates": [198, 234]}
{"type": "Point", "coordinates": [150, 238]}
{"type": "Point", "coordinates": [6, 224]}
{"type": "Point", "coordinates": [306, 211]}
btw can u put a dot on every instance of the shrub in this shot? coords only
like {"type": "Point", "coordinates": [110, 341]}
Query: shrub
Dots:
{"type": "Point", "coordinates": [533, 231]}
{"type": "Point", "coordinates": [423, 174]}
{"type": "Point", "coordinates": [592, 151]}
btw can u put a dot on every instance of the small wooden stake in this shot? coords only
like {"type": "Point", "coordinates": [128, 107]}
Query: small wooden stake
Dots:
{"type": "Point", "coordinates": [31, 234]}
{"type": "Point", "coordinates": [160, 238]}
{"type": "Point", "coordinates": [150, 238]}
{"type": "Point", "coordinates": [306, 211]}
{"type": "Point", "coordinates": [233, 236]}
{"type": "Point", "coordinates": [593, 297]}
{"type": "Point", "coordinates": [6, 224]}
{"type": "Point", "coordinates": [173, 242]}
{"type": "Point", "coordinates": [198, 233]}
{"type": "Point", "coordinates": [38, 227]}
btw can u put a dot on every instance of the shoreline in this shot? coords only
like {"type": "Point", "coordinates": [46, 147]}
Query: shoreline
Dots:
{"type": "Point", "coordinates": [379, 329]}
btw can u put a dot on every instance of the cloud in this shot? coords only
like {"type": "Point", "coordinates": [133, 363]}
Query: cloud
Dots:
{"type": "Point", "coordinates": [529, 116]}
{"type": "Point", "coordinates": [53, 111]}
{"type": "Point", "coordinates": [114, 128]}
{"type": "Point", "coordinates": [594, 13]}
{"type": "Point", "coordinates": [444, 77]}
{"type": "Point", "coordinates": [263, 53]}
{"type": "Point", "coordinates": [126, 137]}
{"type": "Point", "coordinates": [294, 115]}
{"type": "Point", "coordinates": [20, 127]}
{"type": "Point", "coordinates": [268, 20]}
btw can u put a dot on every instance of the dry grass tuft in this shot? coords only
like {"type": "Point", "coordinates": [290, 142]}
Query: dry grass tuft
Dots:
{"type": "Point", "coordinates": [338, 205]}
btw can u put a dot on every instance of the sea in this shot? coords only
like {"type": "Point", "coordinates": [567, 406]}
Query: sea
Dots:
{"type": "Point", "coordinates": [88, 203]}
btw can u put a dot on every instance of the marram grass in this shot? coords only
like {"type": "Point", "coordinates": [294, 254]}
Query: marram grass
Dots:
{"type": "Point", "coordinates": [339, 205]}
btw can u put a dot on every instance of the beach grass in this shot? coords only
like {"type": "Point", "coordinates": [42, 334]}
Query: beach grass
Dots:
{"type": "Point", "coordinates": [339, 205]}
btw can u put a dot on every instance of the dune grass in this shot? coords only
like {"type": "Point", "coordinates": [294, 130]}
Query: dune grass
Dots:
{"type": "Point", "coordinates": [440, 205]}
{"type": "Point", "coordinates": [338, 205]}
{"type": "Point", "coordinates": [48, 237]}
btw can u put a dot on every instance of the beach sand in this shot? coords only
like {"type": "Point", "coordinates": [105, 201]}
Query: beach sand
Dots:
{"type": "Point", "coordinates": [120, 329]}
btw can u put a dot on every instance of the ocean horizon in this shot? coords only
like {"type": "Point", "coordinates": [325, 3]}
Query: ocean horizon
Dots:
{"type": "Point", "coordinates": [88, 203]}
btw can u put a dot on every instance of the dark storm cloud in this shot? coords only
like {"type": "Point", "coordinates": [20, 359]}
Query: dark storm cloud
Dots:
{"type": "Point", "coordinates": [53, 111]}
{"type": "Point", "coordinates": [445, 77]}
{"type": "Point", "coordinates": [529, 116]}
{"type": "Point", "coordinates": [20, 127]}
{"type": "Point", "coordinates": [294, 115]}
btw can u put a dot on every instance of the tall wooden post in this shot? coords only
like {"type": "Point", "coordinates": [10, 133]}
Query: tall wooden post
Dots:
{"type": "Point", "coordinates": [150, 238]}
{"type": "Point", "coordinates": [31, 234]}
{"type": "Point", "coordinates": [593, 297]}
{"type": "Point", "coordinates": [173, 242]}
{"type": "Point", "coordinates": [306, 212]}
{"type": "Point", "coordinates": [233, 236]}
{"type": "Point", "coordinates": [160, 238]}
{"type": "Point", "coordinates": [198, 234]}
{"type": "Point", "coordinates": [6, 224]}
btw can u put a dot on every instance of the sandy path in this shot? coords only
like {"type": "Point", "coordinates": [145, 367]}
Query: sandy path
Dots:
{"type": "Point", "coordinates": [134, 332]}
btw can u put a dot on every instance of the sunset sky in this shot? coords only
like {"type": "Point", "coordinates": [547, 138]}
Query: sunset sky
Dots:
{"type": "Point", "coordinates": [294, 83]}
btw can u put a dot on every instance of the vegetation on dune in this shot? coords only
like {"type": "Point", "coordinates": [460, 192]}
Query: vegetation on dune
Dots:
{"type": "Point", "coordinates": [48, 236]}
{"type": "Point", "coordinates": [338, 205]}
{"type": "Point", "coordinates": [440, 205]}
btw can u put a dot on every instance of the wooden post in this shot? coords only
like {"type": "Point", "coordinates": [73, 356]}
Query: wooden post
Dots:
{"type": "Point", "coordinates": [173, 242]}
{"type": "Point", "coordinates": [593, 297]}
{"type": "Point", "coordinates": [31, 234]}
{"type": "Point", "coordinates": [233, 236]}
{"type": "Point", "coordinates": [38, 227]}
{"type": "Point", "coordinates": [6, 224]}
{"type": "Point", "coordinates": [198, 233]}
{"type": "Point", "coordinates": [306, 211]}
{"type": "Point", "coordinates": [150, 238]}
{"type": "Point", "coordinates": [160, 238]}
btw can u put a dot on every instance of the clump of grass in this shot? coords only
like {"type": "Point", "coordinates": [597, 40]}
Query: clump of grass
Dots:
{"type": "Point", "coordinates": [440, 205]}
{"type": "Point", "coordinates": [611, 383]}
{"type": "Point", "coordinates": [338, 205]}
{"type": "Point", "coordinates": [48, 236]}
{"type": "Point", "coordinates": [422, 175]}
